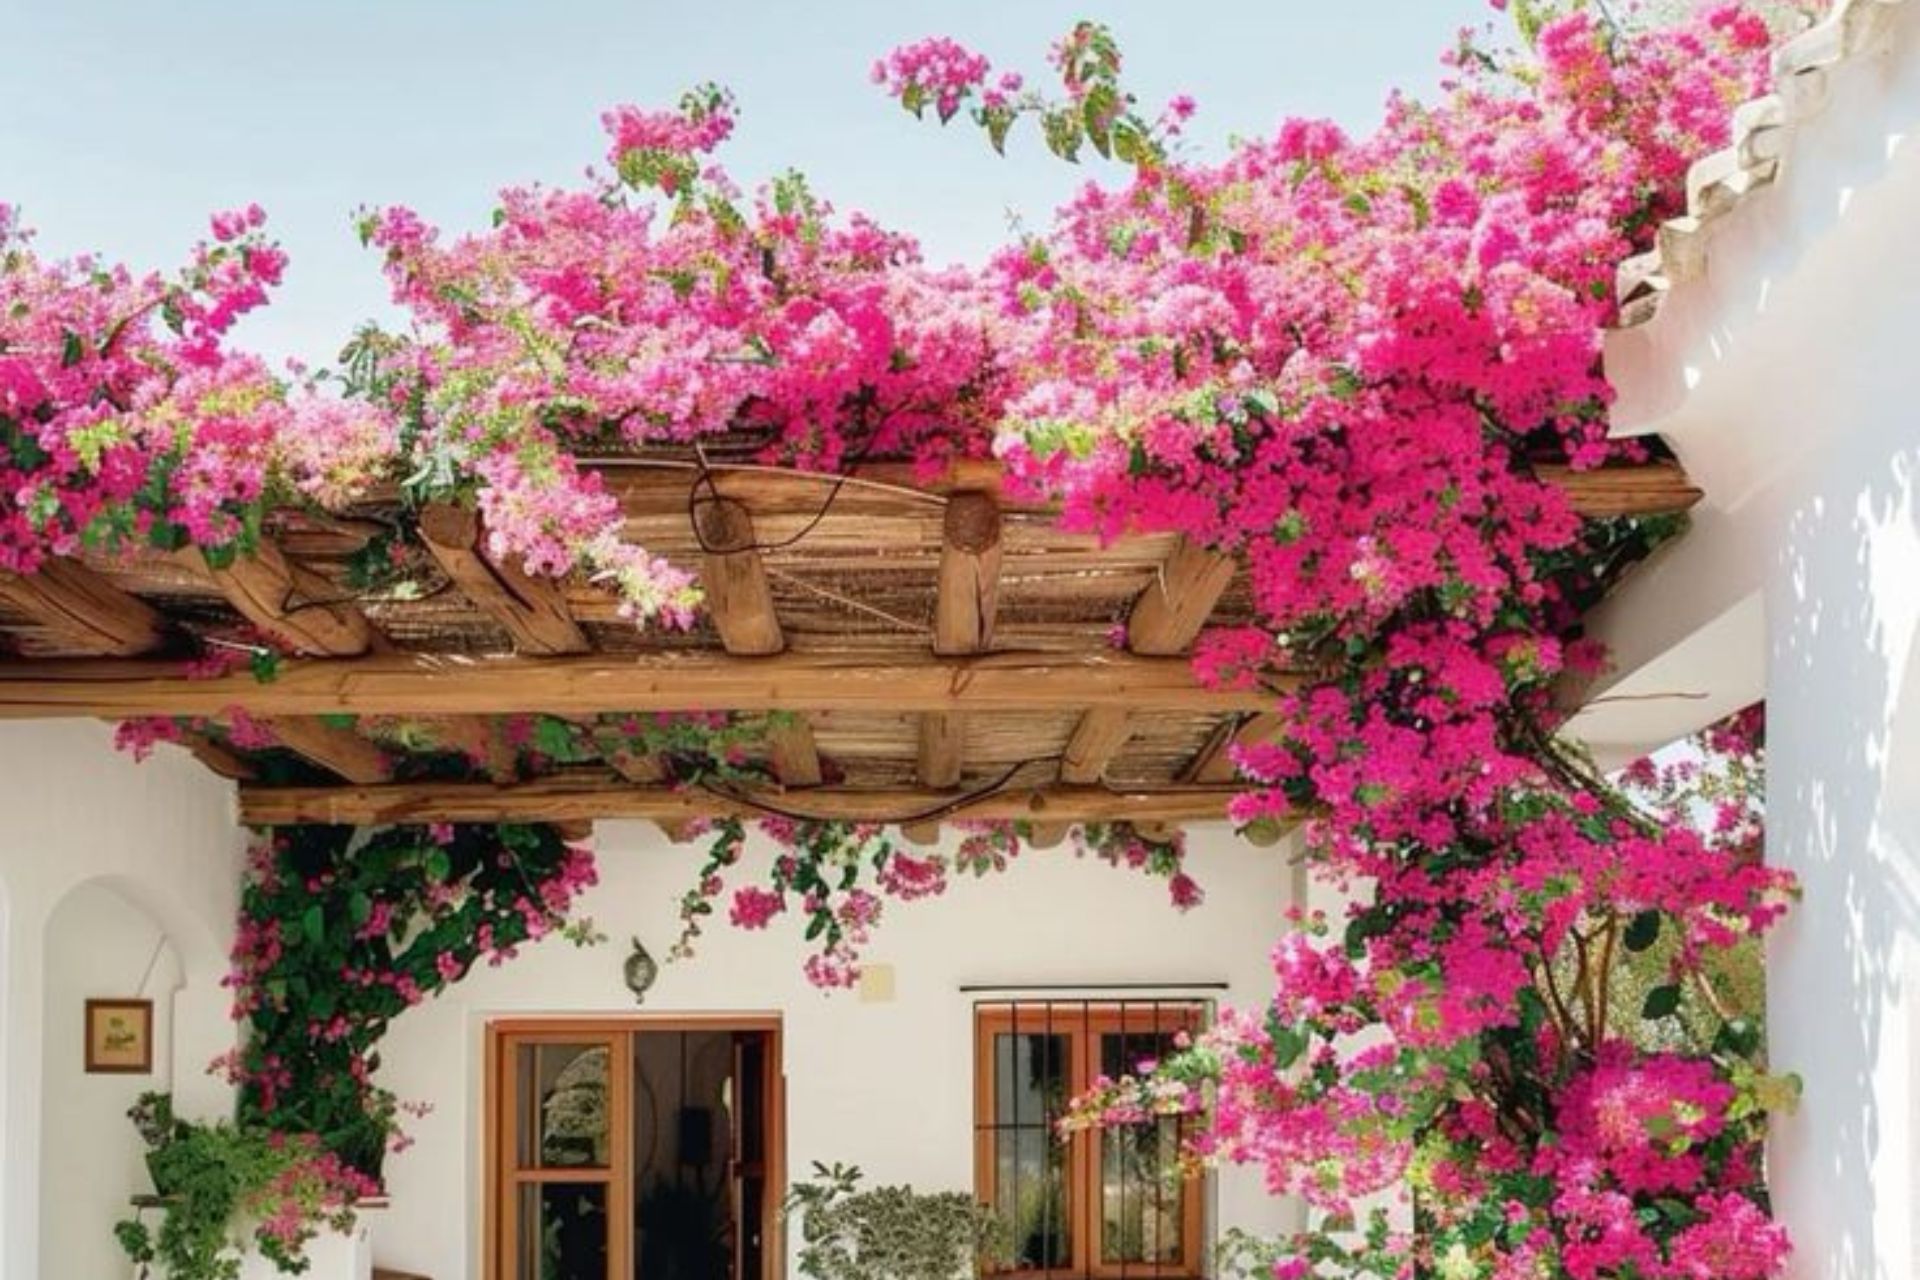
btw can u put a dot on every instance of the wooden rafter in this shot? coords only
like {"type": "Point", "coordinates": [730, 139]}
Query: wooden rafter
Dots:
{"type": "Point", "coordinates": [969, 595]}
{"type": "Point", "coordinates": [738, 597]}
{"type": "Point", "coordinates": [577, 799]}
{"type": "Point", "coordinates": [85, 609]}
{"type": "Point", "coordinates": [423, 684]}
{"type": "Point", "coordinates": [1047, 835]}
{"type": "Point", "coordinates": [299, 608]}
{"type": "Point", "coordinates": [792, 753]}
{"type": "Point", "coordinates": [1096, 740]}
{"type": "Point", "coordinates": [1176, 604]}
{"type": "Point", "coordinates": [220, 760]}
{"type": "Point", "coordinates": [1214, 764]}
{"type": "Point", "coordinates": [943, 740]}
{"type": "Point", "coordinates": [333, 748]}
{"type": "Point", "coordinates": [965, 605]}
{"type": "Point", "coordinates": [533, 610]}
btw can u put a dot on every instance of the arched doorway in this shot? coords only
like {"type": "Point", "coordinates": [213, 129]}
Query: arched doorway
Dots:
{"type": "Point", "coordinates": [99, 945]}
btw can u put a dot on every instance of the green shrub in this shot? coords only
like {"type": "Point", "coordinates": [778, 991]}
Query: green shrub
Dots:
{"type": "Point", "coordinates": [890, 1233]}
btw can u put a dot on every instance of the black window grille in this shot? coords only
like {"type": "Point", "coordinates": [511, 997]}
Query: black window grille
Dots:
{"type": "Point", "coordinates": [1113, 1203]}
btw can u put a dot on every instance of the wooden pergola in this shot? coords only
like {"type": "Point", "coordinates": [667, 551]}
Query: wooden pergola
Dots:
{"type": "Point", "coordinates": [937, 651]}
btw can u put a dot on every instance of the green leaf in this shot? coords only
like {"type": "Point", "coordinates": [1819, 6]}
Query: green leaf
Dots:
{"type": "Point", "coordinates": [359, 909]}
{"type": "Point", "coordinates": [1738, 1036]}
{"type": "Point", "coordinates": [314, 924]}
{"type": "Point", "coordinates": [1662, 1002]}
{"type": "Point", "coordinates": [1644, 931]}
{"type": "Point", "coordinates": [72, 350]}
{"type": "Point", "coordinates": [1288, 1044]}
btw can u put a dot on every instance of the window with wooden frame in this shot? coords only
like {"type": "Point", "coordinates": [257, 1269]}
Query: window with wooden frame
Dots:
{"type": "Point", "coordinates": [1097, 1205]}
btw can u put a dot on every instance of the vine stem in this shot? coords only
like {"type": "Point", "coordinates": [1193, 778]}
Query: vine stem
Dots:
{"type": "Point", "coordinates": [1564, 1014]}
{"type": "Point", "coordinates": [1611, 934]}
{"type": "Point", "coordinates": [1711, 996]}
{"type": "Point", "coordinates": [1583, 984]}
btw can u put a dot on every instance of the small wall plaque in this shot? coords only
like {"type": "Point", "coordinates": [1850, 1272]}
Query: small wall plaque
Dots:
{"type": "Point", "coordinates": [120, 1036]}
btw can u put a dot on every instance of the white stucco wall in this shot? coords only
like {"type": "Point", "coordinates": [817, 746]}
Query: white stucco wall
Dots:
{"type": "Point", "coordinates": [887, 1086]}
{"type": "Point", "coordinates": [1786, 378]}
{"type": "Point", "coordinates": [81, 818]}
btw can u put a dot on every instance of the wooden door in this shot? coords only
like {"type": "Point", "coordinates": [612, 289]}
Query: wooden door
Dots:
{"type": "Point", "coordinates": [560, 1142]}
{"type": "Point", "coordinates": [562, 1123]}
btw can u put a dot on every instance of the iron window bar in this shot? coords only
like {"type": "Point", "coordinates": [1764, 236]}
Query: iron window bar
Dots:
{"type": "Point", "coordinates": [1100, 1019]}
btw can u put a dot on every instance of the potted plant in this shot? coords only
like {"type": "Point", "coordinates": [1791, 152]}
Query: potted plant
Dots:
{"type": "Point", "coordinates": [224, 1189]}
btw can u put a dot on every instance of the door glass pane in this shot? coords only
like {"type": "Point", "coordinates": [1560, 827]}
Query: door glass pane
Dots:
{"type": "Point", "coordinates": [563, 1106]}
{"type": "Point", "coordinates": [562, 1231]}
{"type": "Point", "coordinates": [1142, 1200]}
{"type": "Point", "coordinates": [1032, 1074]}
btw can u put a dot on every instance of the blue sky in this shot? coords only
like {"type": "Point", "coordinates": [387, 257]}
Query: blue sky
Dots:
{"type": "Point", "coordinates": [124, 122]}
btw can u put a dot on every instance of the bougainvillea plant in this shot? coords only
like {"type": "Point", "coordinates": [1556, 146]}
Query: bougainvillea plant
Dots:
{"type": "Point", "coordinates": [1341, 359]}
{"type": "Point", "coordinates": [343, 929]}
{"type": "Point", "coordinates": [227, 1188]}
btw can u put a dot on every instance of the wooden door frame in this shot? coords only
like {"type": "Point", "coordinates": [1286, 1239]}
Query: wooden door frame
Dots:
{"type": "Point", "coordinates": [505, 1030]}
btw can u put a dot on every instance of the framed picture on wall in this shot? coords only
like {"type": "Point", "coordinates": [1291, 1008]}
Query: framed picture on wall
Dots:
{"type": "Point", "coordinates": [120, 1036]}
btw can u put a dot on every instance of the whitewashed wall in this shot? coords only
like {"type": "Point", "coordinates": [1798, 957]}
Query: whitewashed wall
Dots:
{"type": "Point", "coordinates": [98, 857]}
{"type": "Point", "coordinates": [887, 1086]}
{"type": "Point", "coordinates": [1784, 372]}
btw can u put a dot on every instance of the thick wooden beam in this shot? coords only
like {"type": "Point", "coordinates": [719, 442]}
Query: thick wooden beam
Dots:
{"type": "Point", "coordinates": [1096, 740]}
{"type": "Point", "coordinates": [292, 604]}
{"type": "Point", "coordinates": [943, 740]}
{"type": "Point", "coordinates": [660, 488]}
{"type": "Point", "coordinates": [738, 597]}
{"type": "Point", "coordinates": [969, 594]}
{"type": "Point", "coordinates": [84, 608]}
{"type": "Point", "coordinates": [795, 758]}
{"type": "Point", "coordinates": [532, 610]}
{"type": "Point", "coordinates": [575, 799]}
{"type": "Point", "coordinates": [1176, 604]}
{"type": "Point", "coordinates": [1637, 489]}
{"type": "Point", "coordinates": [402, 684]}
{"type": "Point", "coordinates": [341, 751]}
{"type": "Point", "coordinates": [1214, 764]}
